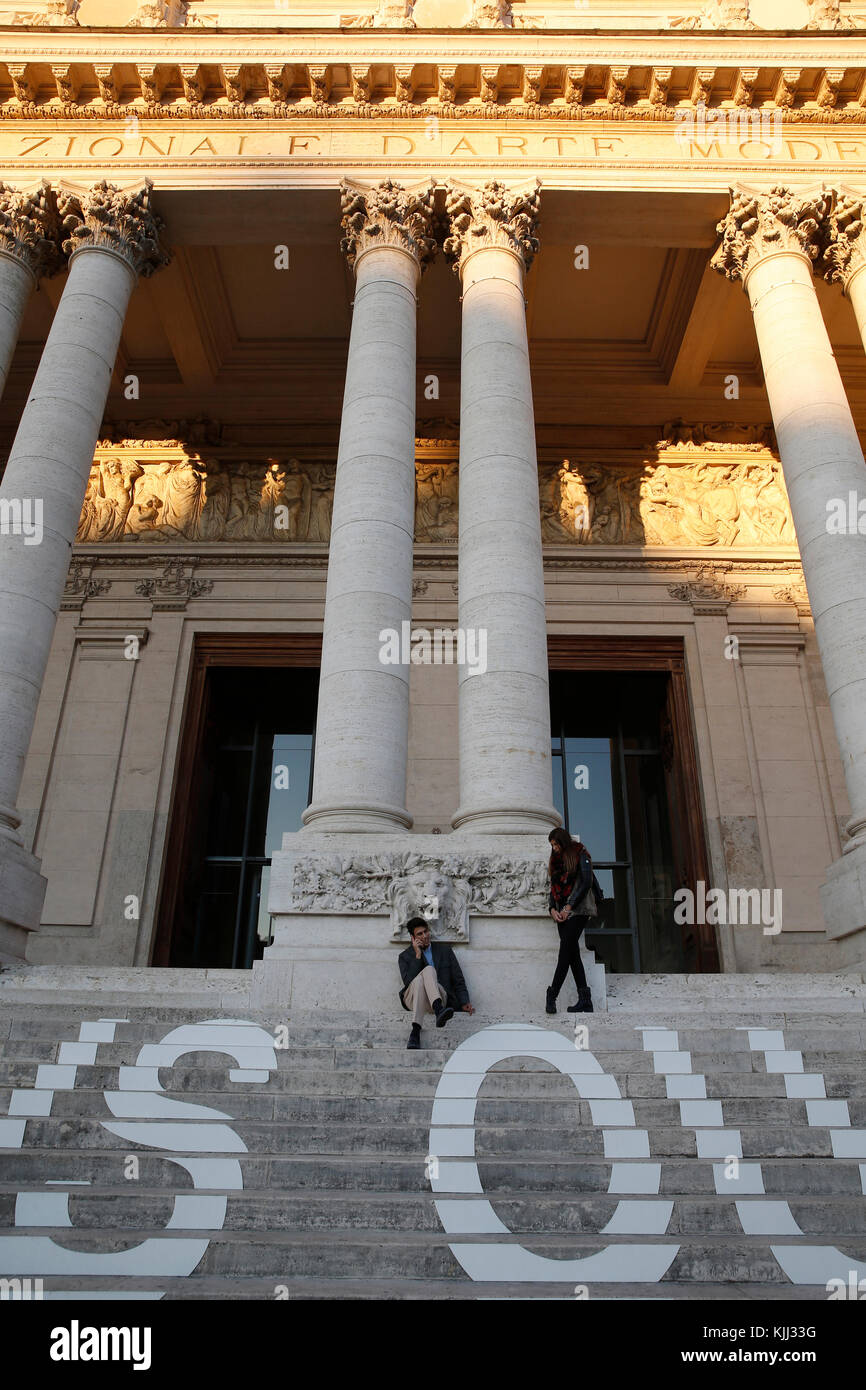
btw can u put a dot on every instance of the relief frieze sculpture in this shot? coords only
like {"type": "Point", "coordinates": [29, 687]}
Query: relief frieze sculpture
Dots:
{"type": "Point", "coordinates": [133, 496]}
{"type": "Point", "coordinates": [444, 888]}
{"type": "Point", "coordinates": [701, 503]}
{"type": "Point", "coordinates": [704, 485]}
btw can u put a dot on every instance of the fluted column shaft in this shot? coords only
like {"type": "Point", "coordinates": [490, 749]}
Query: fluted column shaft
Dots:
{"type": "Point", "coordinates": [504, 710]}
{"type": "Point", "coordinates": [770, 241]}
{"type": "Point", "coordinates": [362, 723]}
{"type": "Point", "coordinates": [113, 238]}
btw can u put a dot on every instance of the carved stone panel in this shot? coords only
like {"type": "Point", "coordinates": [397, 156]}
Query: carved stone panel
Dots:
{"type": "Point", "coordinates": [710, 502]}
{"type": "Point", "coordinates": [701, 485]}
{"type": "Point", "coordinates": [444, 887]}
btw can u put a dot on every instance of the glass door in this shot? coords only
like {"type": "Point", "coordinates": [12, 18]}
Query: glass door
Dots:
{"type": "Point", "coordinates": [251, 783]}
{"type": "Point", "coordinates": [610, 787]}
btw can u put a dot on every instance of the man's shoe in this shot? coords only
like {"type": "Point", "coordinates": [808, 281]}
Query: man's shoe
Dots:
{"type": "Point", "coordinates": [414, 1037]}
{"type": "Point", "coordinates": [443, 1013]}
{"type": "Point", "coordinates": [584, 1003]}
{"type": "Point", "coordinates": [550, 1006]}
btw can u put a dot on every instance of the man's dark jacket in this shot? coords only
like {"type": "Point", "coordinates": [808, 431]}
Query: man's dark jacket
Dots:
{"type": "Point", "coordinates": [448, 972]}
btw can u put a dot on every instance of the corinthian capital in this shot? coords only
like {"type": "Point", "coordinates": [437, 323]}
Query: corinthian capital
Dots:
{"type": "Point", "coordinates": [55, 13]}
{"type": "Point", "coordinates": [759, 223]}
{"type": "Point", "coordinates": [493, 216]}
{"type": "Point", "coordinates": [30, 228]}
{"type": "Point", "coordinates": [845, 250]}
{"type": "Point", "coordinates": [111, 220]}
{"type": "Point", "coordinates": [387, 216]}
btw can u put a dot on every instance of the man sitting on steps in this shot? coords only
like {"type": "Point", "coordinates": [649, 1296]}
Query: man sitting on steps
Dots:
{"type": "Point", "coordinates": [432, 980]}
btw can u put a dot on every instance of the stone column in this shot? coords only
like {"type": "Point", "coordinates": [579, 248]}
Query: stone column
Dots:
{"type": "Point", "coordinates": [362, 724]}
{"type": "Point", "coordinates": [29, 248]}
{"type": "Point", "coordinates": [845, 251]}
{"type": "Point", "coordinates": [504, 703]}
{"type": "Point", "coordinates": [769, 241]}
{"type": "Point", "coordinates": [113, 237]}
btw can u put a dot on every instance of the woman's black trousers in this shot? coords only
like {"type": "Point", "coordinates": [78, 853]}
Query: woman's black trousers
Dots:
{"type": "Point", "coordinates": [569, 953]}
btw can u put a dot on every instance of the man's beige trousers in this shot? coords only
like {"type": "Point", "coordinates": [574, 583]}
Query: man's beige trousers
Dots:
{"type": "Point", "coordinates": [421, 992]}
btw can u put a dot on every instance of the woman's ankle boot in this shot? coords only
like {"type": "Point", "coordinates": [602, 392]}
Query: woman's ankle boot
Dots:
{"type": "Point", "coordinates": [550, 1005]}
{"type": "Point", "coordinates": [584, 1003]}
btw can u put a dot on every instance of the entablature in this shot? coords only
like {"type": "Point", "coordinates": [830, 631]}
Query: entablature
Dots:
{"type": "Point", "coordinates": [568, 81]}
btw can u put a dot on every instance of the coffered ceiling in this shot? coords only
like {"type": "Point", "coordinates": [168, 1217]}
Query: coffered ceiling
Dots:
{"type": "Point", "coordinates": [645, 334]}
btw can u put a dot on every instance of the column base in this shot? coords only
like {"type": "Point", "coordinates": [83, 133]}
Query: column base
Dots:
{"type": "Point", "coordinates": [348, 965]}
{"type": "Point", "coordinates": [843, 896]}
{"type": "Point", "coordinates": [518, 820]}
{"type": "Point", "coordinates": [22, 893]}
{"type": "Point", "coordinates": [339, 904]}
{"type": "Point", "coordinates": [360, 819]}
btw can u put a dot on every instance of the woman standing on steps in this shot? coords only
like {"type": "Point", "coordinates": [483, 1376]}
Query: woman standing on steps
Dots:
{"type": "Point", "coordinates": [572, 904]}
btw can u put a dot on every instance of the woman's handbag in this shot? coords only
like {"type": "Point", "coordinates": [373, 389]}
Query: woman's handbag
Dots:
{"type": "Point", "coordinates": [587, 907]}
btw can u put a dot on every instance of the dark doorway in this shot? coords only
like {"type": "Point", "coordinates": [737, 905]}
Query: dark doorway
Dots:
{"type": "Point", "coordinates": [244, 780]}
{"type": "Point", "coordinates": [623, 780]}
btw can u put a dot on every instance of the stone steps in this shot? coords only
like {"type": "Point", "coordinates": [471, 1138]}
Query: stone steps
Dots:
{"type": "Point", "coordinates": [203, 1084]}
{"type": "Point", "coordinates": [394, 1173]}
{"type": "Point", "coordinates": [530, 1215]}
{"type": "Point", "coordinates": [322, 1155]}
{"type": "Point", "coordinates": [401, 1255]}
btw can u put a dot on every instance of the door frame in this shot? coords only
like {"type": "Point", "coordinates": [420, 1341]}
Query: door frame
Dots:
{"type": "Point", "coordinates": [213, 649]}
{"type": "Point", "coordinates": [582, 652]}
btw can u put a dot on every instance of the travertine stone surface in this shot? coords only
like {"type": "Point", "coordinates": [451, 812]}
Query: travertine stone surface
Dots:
{"type": "Point", "coordinates": [113, 237]}
{"type": "Point", "coordinates": [845, 253]}
{"type": "Point", "coordinates": [505, 779]}
{"type": "Point", "coordinates": [363, 711]}
{"type": "Point", "coordinates": [28, 249]}
{"type": "Point", "coordinates": [336, 899]}
{"type": "Point", "coordinates": [770, 241]}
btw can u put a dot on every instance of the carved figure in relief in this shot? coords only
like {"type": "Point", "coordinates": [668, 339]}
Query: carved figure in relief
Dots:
{"type": "Point", "coordinates": [577, 504]}
{"type": "Point", "coordinates": [320, 510]}
{"type": "Point", "coordinates": [107, 499]}
{"type": "Point", "coordinates": [296, 497]}
{"type": "Point", "coordinates": [218, 489]}
{"type": "Point", "coordinates": [436, 500]}
{"type": "Point", "coordinates": [659, 508]}
{"type": "Point", "coordinates": [179, 485]}
{"type": "Point", "coordinates": [720, 501]}
{"type": "Point", "coordinates": [143, 516]}
{"type": "Point", "coordinates": [118, 479]}
{"type": "Point", "coordinates": [272, 496]}
{"type": "Point", "coordinates": [241, 501]}
{"type": "Point", "coordinates": [774, 517]}
{"type": "Point", "coordinates": [88, 525]}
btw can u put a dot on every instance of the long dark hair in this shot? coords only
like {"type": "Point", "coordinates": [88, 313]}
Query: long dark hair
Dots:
{"type": "Point", "coordinates": [569, 859]}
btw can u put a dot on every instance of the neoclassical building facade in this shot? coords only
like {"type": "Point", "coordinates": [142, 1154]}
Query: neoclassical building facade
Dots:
{"type": "Point", "coordinates": [423, 427]}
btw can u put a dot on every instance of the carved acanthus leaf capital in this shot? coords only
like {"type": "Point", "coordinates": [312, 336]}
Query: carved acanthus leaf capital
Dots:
{"type": "Point", "coordinates": [758, 224]}
{"type": "Point", "coordinates": [387, 215]}
{"type": "Point", "coordinates": [30, 228]}
{"type": "Point", "coordinates": [57, 13]}
{"type": "Point", "coordinates": [491, 14]}
{"type": "Point", "coordinates": [112, 220]}
{"type": "Point", "coordinates": [826, 14]}
{"type": "Point", "coordinates": [845, 251]}
{"type": "Point", "coordinates": [494, 216]}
